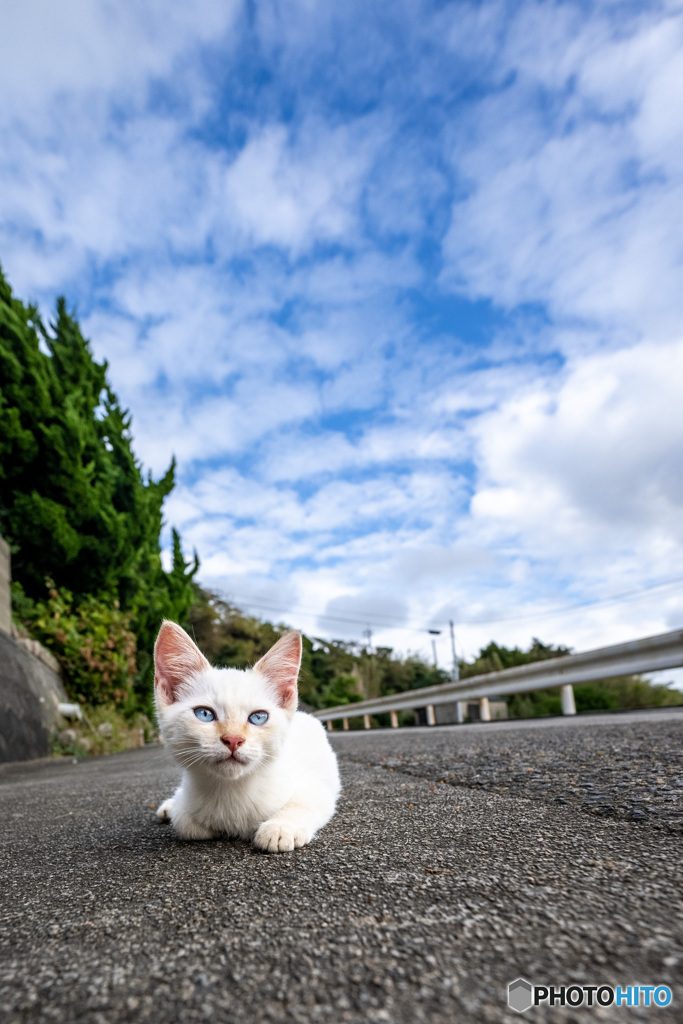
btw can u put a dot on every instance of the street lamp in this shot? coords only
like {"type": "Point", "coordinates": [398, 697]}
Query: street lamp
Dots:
{"type": "Point", "coordinates": [434, 632]}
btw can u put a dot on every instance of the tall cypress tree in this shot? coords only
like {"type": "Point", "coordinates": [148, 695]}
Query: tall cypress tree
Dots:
{"type": "Point", "coordinates": [74, 504]}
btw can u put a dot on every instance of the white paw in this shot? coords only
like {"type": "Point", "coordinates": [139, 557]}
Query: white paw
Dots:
{"type": "Point", "coordinates": [164, 811]}
{"type": "Point", "coordinates": [277, 837]}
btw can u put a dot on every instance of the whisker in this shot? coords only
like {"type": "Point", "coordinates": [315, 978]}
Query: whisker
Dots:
{"type": "Point", "coordinates": [187, 761]}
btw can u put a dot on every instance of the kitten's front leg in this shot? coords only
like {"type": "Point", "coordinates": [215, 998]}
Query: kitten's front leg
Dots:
{"type": "Point", "coordinates": [187, 828]}
{"type": "Point", "coordinates": [291, 827]}
{"type": "Point", "coordinates": [183, 823]}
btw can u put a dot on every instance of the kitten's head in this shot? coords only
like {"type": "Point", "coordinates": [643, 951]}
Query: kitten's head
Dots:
{"type": "Point", "coordinates": [223, 720]}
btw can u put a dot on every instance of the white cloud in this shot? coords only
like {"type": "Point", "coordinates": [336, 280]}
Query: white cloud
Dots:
{"type": "Point", "coordinates": [586, 473]}
{"type": "Point", "coordinates": [344, 615]}
{"type": "Point", "coordinates": [292, 192]}
{"type": "Point", "coordinates": [575, 202]}
{"type": "Point", "coordinates": [78, 46]}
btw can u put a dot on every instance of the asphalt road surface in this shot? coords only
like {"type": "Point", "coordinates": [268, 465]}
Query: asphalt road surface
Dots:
{"type": "Point", "coordinates": [460, 859]}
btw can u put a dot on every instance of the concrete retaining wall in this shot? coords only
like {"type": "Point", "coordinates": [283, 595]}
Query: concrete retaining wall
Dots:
{"type": "Point", "coordinates": [29, 694]}
{"type": "Point", "coordinates": [30, 684]}
{"type": "Point", "coordinates": [5, 601]}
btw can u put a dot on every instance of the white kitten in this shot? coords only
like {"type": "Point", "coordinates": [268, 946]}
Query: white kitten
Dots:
{"type": "Point", "coordinates": [253, 766]}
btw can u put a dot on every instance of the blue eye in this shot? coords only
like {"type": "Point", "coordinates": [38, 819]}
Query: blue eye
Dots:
{"type": "Point", "coordinates": [258, 717]}
{"type": "Point", "coordinates": [204, 714]}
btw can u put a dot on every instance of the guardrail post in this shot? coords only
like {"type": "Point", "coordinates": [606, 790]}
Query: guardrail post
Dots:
{"type": "Point", "coordinates": [366, 722]}
{"type": "Point", "coordinates": [459, 712]}
{"type": "Point", "coordinates": [484, 709]}
{"type": "Point", "coordinates": [330, 727]}
{"type": "Point", "coordinates": [431, 717]}
{"type": "Point", "coordinates": [345, 724]}
{"type": "Point", "coordinates": [394, 719]}
{"type": "Point", "coordinates": [568, 704]}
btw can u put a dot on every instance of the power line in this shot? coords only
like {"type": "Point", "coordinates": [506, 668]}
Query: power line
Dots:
{"type": "Point", "coordinates": [615, 599]}
{"type": "Point", "coordinates": [255, 603]}
{"type": "Point", "coordinates": [378, 623]}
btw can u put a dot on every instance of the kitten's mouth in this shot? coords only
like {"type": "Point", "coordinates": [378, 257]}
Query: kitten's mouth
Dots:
{"type": "Point", "coordinates": [231, 759]}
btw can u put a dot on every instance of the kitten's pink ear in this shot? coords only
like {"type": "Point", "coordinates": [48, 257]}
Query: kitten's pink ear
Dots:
{"type": "Point", "coordinates": [281, 666]}
{"type": "Point", "coordinates": [176, 659]}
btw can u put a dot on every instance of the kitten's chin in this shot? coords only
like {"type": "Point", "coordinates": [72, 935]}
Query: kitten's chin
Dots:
{"type": "Point", "coordinates": [232, 768]}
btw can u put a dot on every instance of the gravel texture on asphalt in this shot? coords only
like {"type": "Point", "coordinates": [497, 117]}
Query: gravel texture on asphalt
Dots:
{"type": "Point", "coordinates": [631, 772]}
{"type": "Point", "coordinates": [419, 902]}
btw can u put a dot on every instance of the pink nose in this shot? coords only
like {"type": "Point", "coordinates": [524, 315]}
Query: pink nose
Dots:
{"type": "Point", "coordinates": [233, 742]}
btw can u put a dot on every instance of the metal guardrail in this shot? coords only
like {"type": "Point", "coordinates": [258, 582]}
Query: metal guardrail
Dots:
{"type": "Point", "coordinates": [650, 654]}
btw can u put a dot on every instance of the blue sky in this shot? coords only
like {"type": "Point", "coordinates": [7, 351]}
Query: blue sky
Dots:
{"type": "Point", "coordinates": [398, 284]}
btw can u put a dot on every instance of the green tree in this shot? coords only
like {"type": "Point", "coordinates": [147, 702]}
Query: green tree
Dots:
{"type": "Point", "coordinates": [396, 675]}
{"type": "Point", "coordinates": [228, 637]}
{"type": "Point", "coordinates": [341, 690]}
{"type": "Point", "coordinates": [74, 504]}
{"type": "Point", "coordinates": [495, 657]}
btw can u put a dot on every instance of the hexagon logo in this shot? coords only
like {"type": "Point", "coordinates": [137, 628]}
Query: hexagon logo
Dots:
{"type": "Point", "coordinates": [520, 995]}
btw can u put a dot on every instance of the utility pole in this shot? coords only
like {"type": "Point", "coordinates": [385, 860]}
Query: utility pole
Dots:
{"type": "Point", "coordinates": [433, 633]}
{"type": "Point", "coordinates": [456, 667]}
{"type": "Point", "coordinates": [460, 709]}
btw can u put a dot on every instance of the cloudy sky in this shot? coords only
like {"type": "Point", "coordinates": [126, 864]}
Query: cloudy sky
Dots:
{"type": "Point", "coordinates": [399, 284]}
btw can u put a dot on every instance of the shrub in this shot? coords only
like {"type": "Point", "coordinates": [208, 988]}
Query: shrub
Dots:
{"type": "Point", "coordinates": [92, 641]}
{"type": "Point", "coordinates": [88, 739]}
{"type": "Point", "coordinates": [625, 693]}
